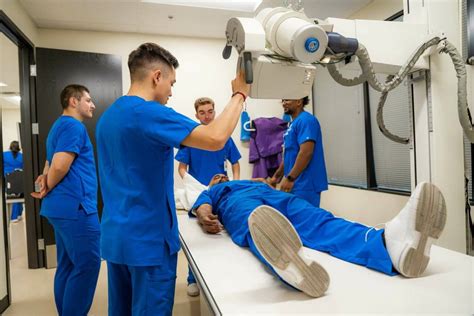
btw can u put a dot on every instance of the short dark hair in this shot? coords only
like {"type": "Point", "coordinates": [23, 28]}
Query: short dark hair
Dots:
{"type": "Point", "coordinates": [72, 90]}
{"type": "Point", "coordinates": [146, 54]}
{"type": "Point", "coordinates": [305, 100]}
{"type": "Point", "coordinates": [202, 101]}
{"type": "Point", "coordinates": [15, 148]}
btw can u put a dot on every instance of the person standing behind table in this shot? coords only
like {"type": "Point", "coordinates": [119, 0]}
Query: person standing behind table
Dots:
{"type": "Point", "coordinates": [13, 160]}
{"type": "Point", "coordinates": [69, 192]}
{"type": "Point", "coordinates": [303, 170]}
{"type": "Point", "coordinates": [140, 239]}
{"type": "Point", "coordinates": [204, 164]}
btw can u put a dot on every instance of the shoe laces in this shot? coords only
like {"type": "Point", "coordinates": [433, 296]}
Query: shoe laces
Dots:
{"type": "Point", "coordinates": [372, 228]}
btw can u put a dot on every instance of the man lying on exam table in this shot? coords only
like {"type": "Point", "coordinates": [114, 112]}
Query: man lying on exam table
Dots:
{"type": "Point", "coordinates": [276, 225]}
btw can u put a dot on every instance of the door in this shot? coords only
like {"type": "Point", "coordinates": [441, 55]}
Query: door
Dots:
{"type": "Point", "coordinates": [100, 73]}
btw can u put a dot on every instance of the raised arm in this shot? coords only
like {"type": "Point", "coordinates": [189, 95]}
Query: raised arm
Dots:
{"type": "Point", "coordinates": [214, 135]}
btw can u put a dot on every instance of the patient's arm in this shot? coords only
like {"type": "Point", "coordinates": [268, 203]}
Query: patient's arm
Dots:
{"type": "Point", "coordinates": [210, 223]}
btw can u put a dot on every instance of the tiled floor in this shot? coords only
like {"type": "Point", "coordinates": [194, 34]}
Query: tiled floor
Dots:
{"type": "Point", "coordinates": [32, 290]}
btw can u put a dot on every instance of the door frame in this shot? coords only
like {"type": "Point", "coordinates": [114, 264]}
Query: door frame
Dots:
{"type": "Point", "coordinates": [29, 142]}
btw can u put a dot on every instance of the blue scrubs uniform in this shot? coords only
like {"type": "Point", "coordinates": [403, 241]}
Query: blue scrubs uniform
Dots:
{"type": "Point", "coordinates": [140, 241]}
{"type": "Point", "coordinates": [71, 207]}
{"type": "Point", "coordinates": [233, 202]}
{"type": "Point", "coordinates": [313, 180]}
{"type": "Point", "coordinates": [203, 164]}
{"type": "Point", "coordinates": [10, 164]}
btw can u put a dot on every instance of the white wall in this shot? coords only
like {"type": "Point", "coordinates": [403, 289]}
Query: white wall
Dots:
{"type": "Point", "coordinates": [364, 206]}
{"type": "Point", "coordinates": [10, 119]}
{"type": "Point", "coordinates": [444, 152]}
{"type": "Point", "coordinates": [202, 71]}
{"type": "Point", "coordinates": [446, 146]}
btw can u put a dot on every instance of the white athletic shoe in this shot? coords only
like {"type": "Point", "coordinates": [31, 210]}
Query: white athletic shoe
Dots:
{"type": "Point", "coordinates": [409, 235]}
{"type": "Point", "coordinates": [193, 290]}
{"type": "Point", "coordinates": [278, 242]}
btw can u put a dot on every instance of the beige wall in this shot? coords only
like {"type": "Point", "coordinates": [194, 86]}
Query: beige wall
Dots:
{"type": "Point", "coordinates": [378, 10]}
{"type": "Point", "coordinates": [10, 119]}
{"type": "Point", "coordinates": [18, 15]}
{"type": "Point", "coordinates": [202, 71]}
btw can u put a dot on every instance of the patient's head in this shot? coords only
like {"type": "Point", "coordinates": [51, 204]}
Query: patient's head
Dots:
{"type": "Point", "coordinates": [218, 178]}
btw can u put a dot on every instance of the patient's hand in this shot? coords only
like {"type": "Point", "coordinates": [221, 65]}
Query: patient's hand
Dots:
{"type": "Point", "coordinates": [210, 222]}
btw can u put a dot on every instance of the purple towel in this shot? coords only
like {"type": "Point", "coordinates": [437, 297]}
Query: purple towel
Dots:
{"type": "Point", "coordinates": [266, 145]}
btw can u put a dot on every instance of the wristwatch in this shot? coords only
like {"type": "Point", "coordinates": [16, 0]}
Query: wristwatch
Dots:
{"type": "Point", "coordinates": [290, 178]}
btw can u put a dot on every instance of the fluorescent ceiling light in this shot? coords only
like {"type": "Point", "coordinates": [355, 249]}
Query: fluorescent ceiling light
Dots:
{"type": "Point", "coordinates": [3, 84]}
{"type": "Point", "coordinates": [232, 5]}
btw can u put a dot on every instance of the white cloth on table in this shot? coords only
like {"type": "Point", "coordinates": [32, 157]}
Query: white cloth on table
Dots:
{"type": "Point", "coordinates": [186, 197]}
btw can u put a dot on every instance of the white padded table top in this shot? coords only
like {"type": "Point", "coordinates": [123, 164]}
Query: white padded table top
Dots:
{"type": "Point", "coordinates": [238, 283]}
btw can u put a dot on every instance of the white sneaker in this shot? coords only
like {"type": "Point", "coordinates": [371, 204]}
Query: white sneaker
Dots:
{"type": "Point", "coordinates": [193, 290]}
{"type": "Point", "coordinates": [278, 242]}
{"type": "Point", "coordinates": [410, 234]}
{"type": "Point", "coordinates": [16, 220]}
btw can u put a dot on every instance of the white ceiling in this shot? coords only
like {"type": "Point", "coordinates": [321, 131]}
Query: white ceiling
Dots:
{"type": "Point", "coordinates": [145, 17]}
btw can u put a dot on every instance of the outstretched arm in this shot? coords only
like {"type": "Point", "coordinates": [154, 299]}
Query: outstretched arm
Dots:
{"type": "Point", "coordinates": [209, 221]}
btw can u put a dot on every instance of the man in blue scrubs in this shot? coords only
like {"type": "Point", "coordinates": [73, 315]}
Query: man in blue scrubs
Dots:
{"type": "Point", "coordinates": [69, 192]}
{"type": "Point", "coordinates": [204, 164]}
{"type": "Point", "coordinates": [13, 160]}
{"type": "Point", "coordinates": [303, 171]}
{"type": "Point", "coordinates": [275, 225]}
{"type": "Point", "coordinates": [139, 228]}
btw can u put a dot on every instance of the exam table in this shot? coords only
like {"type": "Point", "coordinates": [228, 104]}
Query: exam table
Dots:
{"type": "Point", "coordinates": [233, 281]}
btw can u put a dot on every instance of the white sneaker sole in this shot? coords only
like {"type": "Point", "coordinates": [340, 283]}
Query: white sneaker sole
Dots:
{"type": "Point", "coordinates": [430, 221]}
{"type": "Point", "coordinates": [279, 243]}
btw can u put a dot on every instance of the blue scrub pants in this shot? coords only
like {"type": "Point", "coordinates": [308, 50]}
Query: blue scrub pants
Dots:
{"type": "Point", "coordinates": [191, 278]}
{"type": "Point", "coordinates": [78, 253]}
{"type": "Point", "coordinates": [320, 230]}
{"type": "Point", "coordinates": [17, 210]}
{"type": "Point", "coordinates": [140, 291]}
{"type": "Point", "coordinates": [310, 196]}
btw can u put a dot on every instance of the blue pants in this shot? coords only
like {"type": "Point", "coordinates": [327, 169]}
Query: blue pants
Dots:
{"type": "Point", "coordinates": [191, 278]}
{"type": "Point", "coordinates": [140, 291]}
{"type": "Point", "coordinates": [317, 228]}
{"type": "Point", "coordinates": [310, 196]}
{"type": "Point", "coordinates": [17, 210]}
{"type": "Point", "coordinates": [78, 253]}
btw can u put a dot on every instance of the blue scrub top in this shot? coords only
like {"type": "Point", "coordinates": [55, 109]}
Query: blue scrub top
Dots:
{"type": "Point", "coordinates": [305, 128]}
{"type": "Point", "coordinates": [79, 185]}
{"type": "Point", "coordinates": [11, 163]}
{"type": "Point", "coordinates": [135, 140]}
{"type": "Point", "coordinates": [203, 164]}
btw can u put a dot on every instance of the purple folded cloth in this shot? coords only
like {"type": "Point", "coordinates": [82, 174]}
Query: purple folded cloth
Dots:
{"type": "Point", "coordinates": [266, 145]}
